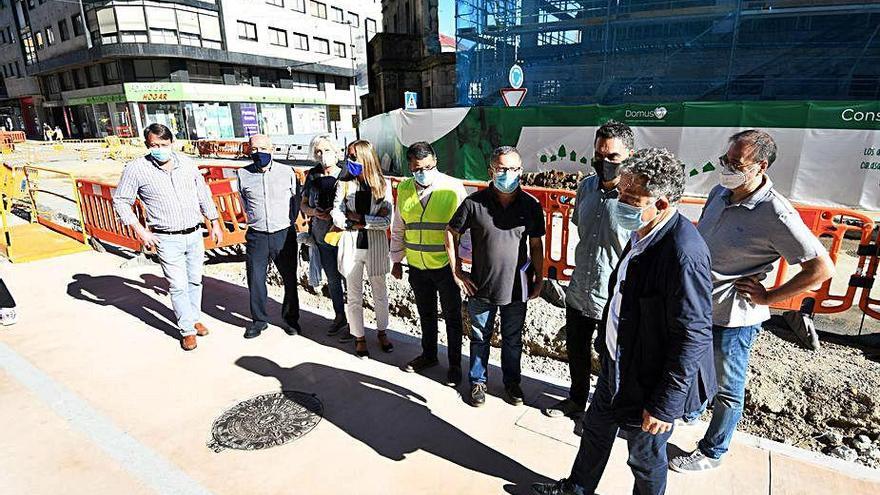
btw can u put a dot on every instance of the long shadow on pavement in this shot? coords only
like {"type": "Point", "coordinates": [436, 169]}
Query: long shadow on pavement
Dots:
{"type": "Point", "coordinates": [392, 420]}
{"type": "Point", "coordinates": [229, 303]}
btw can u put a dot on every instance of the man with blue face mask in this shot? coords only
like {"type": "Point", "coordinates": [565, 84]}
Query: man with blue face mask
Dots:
{"type": "Point", "coordinates": [424, 205]}
{"type": "Point", "coordinates": [269, 193]}
{"type": "Point", "coordinates": [507, 228]}
{"type": "Point", "coordinates": [655, 337]}
{"type": "Point", "coordinates": [176, 201]}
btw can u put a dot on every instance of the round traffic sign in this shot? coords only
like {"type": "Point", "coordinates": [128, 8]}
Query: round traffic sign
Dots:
{"type": "Point", "coordinates": [516, 76]}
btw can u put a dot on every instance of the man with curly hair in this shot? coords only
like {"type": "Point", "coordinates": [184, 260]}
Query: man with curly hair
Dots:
{"type": "Point", "coordinates": [655, 337]}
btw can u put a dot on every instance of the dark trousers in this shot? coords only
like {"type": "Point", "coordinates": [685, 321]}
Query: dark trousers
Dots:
{"type": "Point", "coordinates": [426, 285]}
{"type": "Point", "coordinates": [334, 278]}
{"type": "Point", "coordinates": [647, 452]}
{"type": "Point", "coordinates": [280, 248]}
{"type": "Point", "coordinates": [579, 331]}
{"type": "Point", "coordinates": [6, 301]}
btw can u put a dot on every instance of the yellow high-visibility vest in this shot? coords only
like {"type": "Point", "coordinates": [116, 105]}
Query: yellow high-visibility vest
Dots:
{"type": "Point", "coordinates": [425, 227]}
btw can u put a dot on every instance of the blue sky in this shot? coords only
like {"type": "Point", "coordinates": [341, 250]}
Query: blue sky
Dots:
{"type": "Point", "coordinates": [446, 14]}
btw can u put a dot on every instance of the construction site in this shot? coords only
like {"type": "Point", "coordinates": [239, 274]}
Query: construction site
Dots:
{"type": "Point", "coordinates": [818, 407]}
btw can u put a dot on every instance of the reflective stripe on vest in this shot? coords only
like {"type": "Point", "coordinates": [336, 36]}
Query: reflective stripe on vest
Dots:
{"type": "Point", "coordinates": [425, 227]}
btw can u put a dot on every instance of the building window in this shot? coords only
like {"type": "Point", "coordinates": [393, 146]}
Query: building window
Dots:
{"type": "Point", "coordinates": [30, 52]}
{"type": "Point", "coordinates": [111, 72]}
{"type": "Point", "coordinates": [322, 46]}
{"type": "Point", "coordinates": [336, 15]}
{"type": "Point", "coordinates": [277, 37]}
{"type": "Point", "coordinates": [192, 40]}
{"type": "Point", "coordinates": [304, 81]}
{"type": "Point", "coordinates": [342, 83]}
{"type": "Point", "coordinates": [62, 30]}
{"type": "Point", "coordinates": [298, 5]}
{"type": "Point", "coordinates": [151, 70]}
{"type": "Point", "coordinates": [277, 3]}
{"type": "Point", "coordinates": [17, 69]}
{"type": "Point", "coordinates": [67, 81]}
{"type": "Point", "coordinates": [50, 36]}
{"type": "Point", "coordinates": [354, 19]}
{"type": "Point", "coordinates": [300, 41]}
{"type": "Point", "coordinates": [318, 9]}
{"type": "Point", "coordinates": [247, 31]}
{"type": "Point", "coordinates": [54, 84]}
{"type": "Point", "coordinates": [94, 73]}
{"type": "Point", "coordinates": [339, 49]}
{"type": "Point", "coordinates": [78, 28]}
{"type": "Point", "coordinates": [38, 36]}
{"type": "Point", "coordinates": [370, 24]}
{"type": "Point", "coordinates": [167, 36]}
{"type": "Point", "coordinates": [3, 36]}
{"type": "Point", "coordinates": [9, 35]}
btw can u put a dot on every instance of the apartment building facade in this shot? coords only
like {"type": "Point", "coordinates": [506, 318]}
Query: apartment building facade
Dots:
{"type": "Point", "coordinates": [206, 68]}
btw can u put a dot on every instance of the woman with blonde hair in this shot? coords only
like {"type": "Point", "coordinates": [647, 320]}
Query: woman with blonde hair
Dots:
{"type": "Point", "coordinates": [362, 211]}
{"type": "Point", "coordinates": [318, 194]}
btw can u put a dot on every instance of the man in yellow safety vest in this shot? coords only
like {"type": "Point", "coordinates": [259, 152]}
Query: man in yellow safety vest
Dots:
{"type": "Point", "coordinates": [425, 203]}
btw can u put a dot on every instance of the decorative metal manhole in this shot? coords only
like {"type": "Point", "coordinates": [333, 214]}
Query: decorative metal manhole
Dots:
{"type": "Point", "coordinates": [266, 421]}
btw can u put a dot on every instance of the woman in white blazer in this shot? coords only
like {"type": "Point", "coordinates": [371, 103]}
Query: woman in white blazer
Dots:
{"type": "Point", "coordinates": [362, 211]}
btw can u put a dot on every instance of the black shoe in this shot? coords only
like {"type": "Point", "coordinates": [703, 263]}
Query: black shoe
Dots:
{"type": "Point", "coordinates": [384, 343]}
{"type": "Point", "coordinates": [561, 487]}
{"type": "Point", "coordinates": [478, 394]}
{"type": "Point", "coordinates": [360, 348]}
{"type": "Point", "coordinates": [338, 324]}
{"type": "Point", "coordinates": [420, 364]}
{"type": "Point", "coordinates": [292, 328]}
{"type": "Point", "coordinates": [346, 337]}
{"type": "Point", "coordinates": [453, 376]}
{"type": "Point", "coordinates": [514, 394]}
{"type": "Point", "coordinates": [255, 329]}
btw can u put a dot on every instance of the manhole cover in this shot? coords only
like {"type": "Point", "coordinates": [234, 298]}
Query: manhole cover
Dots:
{"type": "Point", "coordinates": [266, 421]}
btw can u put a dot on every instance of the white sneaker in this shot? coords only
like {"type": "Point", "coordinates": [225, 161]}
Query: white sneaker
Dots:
{"type": "Point", "coordinates": [693, 462]}
{"type": "Point", "coordinates": [8, 316]}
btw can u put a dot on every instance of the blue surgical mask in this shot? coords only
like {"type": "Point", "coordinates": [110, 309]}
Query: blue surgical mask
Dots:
{"type": "Point", "coordinates": [629, 217]}
{"type": "Point", "coordinates": [354, 168]}
{"type": "Point", "coordinates": [261, 158]}
{"type": "Point", "coordinates": [506, 182]}
{"type": "Point", "coordinates": [425, 177]}
{"type": "Point", "coordinates": [161, 155]}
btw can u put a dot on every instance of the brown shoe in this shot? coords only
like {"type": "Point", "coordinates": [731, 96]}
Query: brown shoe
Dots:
{"type": "Point", "coordinates": [201, 330]}
{"type": "Point", "coordinates": [188, 343]}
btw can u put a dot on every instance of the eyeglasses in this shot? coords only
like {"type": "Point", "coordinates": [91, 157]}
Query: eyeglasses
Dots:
{"type": "Point", "coordinates": [514, 170]}
{"type": "Point", "coordinates": [426, 169]}
{"type": "Point", "coordinates": [734, 167]}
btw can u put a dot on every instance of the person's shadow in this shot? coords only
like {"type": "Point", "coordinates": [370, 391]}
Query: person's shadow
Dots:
{"type": "Point", "coordinates": [392, 420]}
{"type": "Point", "coordinates": [126, 295]}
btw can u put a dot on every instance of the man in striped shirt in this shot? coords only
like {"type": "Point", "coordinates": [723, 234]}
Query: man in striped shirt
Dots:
{"type": "Point", "coordinates": [176, 200]}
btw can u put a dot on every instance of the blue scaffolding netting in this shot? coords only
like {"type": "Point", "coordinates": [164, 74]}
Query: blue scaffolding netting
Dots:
{"type": "Point", "coordinates": [576, 52]}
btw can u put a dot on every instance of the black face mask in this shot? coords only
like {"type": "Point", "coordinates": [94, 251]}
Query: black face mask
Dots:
{"type": "Point", "coordinates": [605, 169]}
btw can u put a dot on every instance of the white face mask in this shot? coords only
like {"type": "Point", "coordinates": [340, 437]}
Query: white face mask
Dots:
{"type": "Point", "coordinates": [733, 180]}
{"type": "Point", "coordinates": [328, 159]}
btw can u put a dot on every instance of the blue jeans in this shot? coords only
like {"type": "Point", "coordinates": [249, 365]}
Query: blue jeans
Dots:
{"type": "Point", "coordinates": [181, 258]}
{"type": "Point", "coordinates": [334, 279]}
{"type": "Point", "coordinates": [482, 315]}
{"type": "Point", "coordinates": [732, 347]}
{"type": "Point", "coordinates": [647, 452]}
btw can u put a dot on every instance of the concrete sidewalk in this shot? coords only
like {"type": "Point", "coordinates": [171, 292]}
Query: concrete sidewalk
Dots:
{"type": "Point", "coordinates": [97, 397]}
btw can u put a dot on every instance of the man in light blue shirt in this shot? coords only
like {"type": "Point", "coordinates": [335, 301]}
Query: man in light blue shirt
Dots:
{"type": "Point", "coordinates": [598, 250]}
{"type": "Point", "coordinates": [268, 191]}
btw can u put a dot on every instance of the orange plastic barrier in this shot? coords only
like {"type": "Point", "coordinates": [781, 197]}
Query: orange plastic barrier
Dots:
{"type": "Point", "coordinates": [100, 220]}
{"type": "Point", "coordinates": [866, 275]}
{"type": "Point", "coordinates": [14, 136]}
{"type": "Point", "coordinates": [6, 143]}
{"type": "Point", "coordinates": [222, 148]}
{"type": "Point", "coordinates": [229, 205]}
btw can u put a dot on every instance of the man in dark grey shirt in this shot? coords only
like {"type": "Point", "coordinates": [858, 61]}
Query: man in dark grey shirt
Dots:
{"type": "Point", "coordinates": [268, 191]}
{"type": "Point", "coordinates": [507, 227]}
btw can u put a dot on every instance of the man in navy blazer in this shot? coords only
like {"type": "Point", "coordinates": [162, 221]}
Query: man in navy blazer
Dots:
{"type": "Point", "coordinates": [655, 338]}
